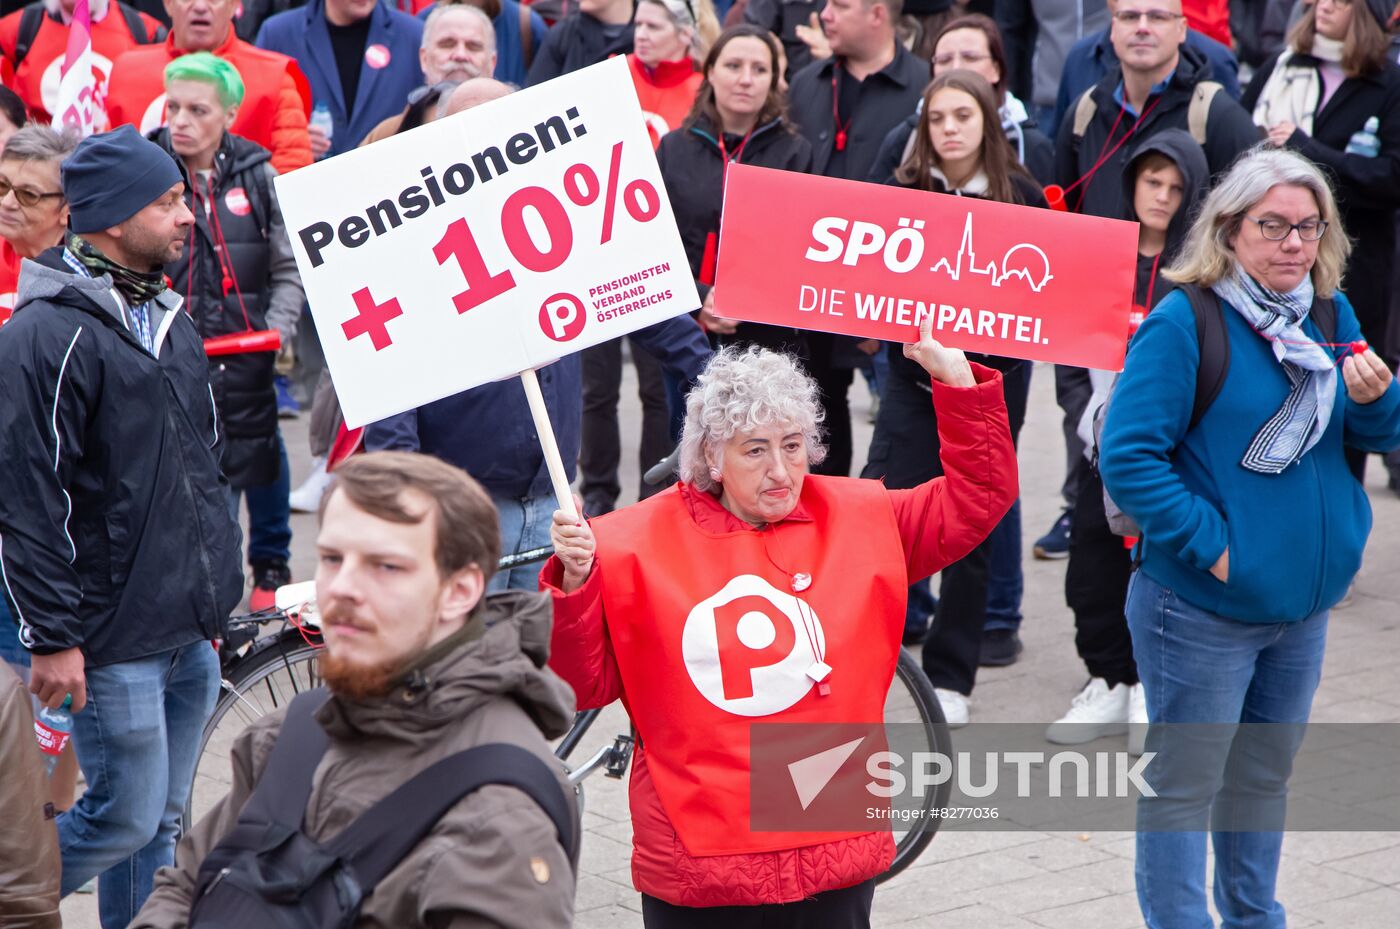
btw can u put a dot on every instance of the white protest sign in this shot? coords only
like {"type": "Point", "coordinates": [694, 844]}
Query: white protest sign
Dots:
{"type": "Point", "coordinates": [486, 244]}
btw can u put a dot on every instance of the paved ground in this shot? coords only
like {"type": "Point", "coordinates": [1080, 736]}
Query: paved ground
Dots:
{"type": "Point", "coordinates": [968, 880]}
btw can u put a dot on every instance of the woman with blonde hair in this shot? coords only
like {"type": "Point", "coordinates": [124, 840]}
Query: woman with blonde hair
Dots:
{"type": "Point", "coordinates": [1333, 95]}
{"type": "Point", "coordinates": [1252, 525]}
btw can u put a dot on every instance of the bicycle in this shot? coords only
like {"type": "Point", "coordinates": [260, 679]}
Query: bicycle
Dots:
{"type": "Point", "coordinates": [265, 672]}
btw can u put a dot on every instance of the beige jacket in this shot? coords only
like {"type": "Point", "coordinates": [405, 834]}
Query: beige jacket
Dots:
{"type": "Point", "coordinates": [29, 862]}
{"type": "Point", "coordinates": [493, 860]}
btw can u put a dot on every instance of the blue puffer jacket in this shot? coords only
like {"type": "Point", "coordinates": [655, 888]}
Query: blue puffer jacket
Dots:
{"type": "Point", "coordinates": [1296, 538]}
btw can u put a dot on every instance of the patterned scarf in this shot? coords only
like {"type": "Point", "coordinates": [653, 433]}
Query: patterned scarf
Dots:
{"type": "Point", "coordinates": [1298, 425]}
{"type": "Point", "coordinates": [136, 287]}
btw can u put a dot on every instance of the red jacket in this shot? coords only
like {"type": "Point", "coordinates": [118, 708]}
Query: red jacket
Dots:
{"type": "Point", "coordinates": [36, 78]}
{"type": "Point", "coordinates": [276, 97]}
{"type": "Point", "coordinates": [626, 634]}
{"type": "Point", "coordinates": [9, 280]}
{"type": "Point", "coordinates": [1209, 17]}
{"type": "Point", "coordinates": [665, 92]}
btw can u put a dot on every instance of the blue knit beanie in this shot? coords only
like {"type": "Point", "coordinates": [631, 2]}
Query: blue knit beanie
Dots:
{"type": "Point", "coordinates": [112, 177]}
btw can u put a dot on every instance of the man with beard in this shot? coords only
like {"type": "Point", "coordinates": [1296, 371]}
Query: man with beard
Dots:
{"type": "Point", "coordinates": [459, 43]}
{"type": "Point", "coordinates": [421, 664]}
{"type": "Point", "coordinates": [119, 558]}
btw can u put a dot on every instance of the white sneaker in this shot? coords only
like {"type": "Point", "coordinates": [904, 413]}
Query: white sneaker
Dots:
{"type": "Point", "coordinates": [955, 707]}
{"type": "Point", "coordinates": [307, 497]}
{"type": "Point", "coordinates": [1137, 719]}
{"type": "Point", "coordinates": [1098, 710]}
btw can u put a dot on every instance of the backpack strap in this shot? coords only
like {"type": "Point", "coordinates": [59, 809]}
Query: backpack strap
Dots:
{"type": "Point", "coordinates": [380, 838]}
{"type": "Point", "coordinates": [1084, 110]}
{"type": "Point", "coordinates": [30, 21]}
{"type": "Point", "coordinates": [1324, 314]}
{"type": "Point", "coordinates": [1213, 342]}
{"type": "Point", "coordinates": [1198, 110]}
{"type": "Point", "coordinates": [527, 36]}
{"type": "Point", "coordinates": [284, 789]}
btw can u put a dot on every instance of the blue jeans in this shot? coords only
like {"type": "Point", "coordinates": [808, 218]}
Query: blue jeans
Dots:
{"type": "Point", "coordinates": [269, 514]}
{"type": "Point", "coordinates": [1197, 667]}
{"type": "Point", "coordinates": [1005, 581]}
{"type": "Point", "coordinates": [137, 742]}
{"type": "Point", "coordinates": [524, 526]}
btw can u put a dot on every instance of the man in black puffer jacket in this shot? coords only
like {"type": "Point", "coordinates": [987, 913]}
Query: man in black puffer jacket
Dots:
{"type": "Point", "coordinates": [119, 559]}
{"type": "Point", "coordinates": [237, 274]}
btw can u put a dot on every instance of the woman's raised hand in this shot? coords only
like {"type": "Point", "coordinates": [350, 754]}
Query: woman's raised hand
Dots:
{"type": "Point", "coordinates": [574, 545]}
{"type": "Point", "coordinates": [948, 365]}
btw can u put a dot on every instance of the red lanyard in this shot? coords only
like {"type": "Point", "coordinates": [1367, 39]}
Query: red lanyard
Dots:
{"type": "Point", "coordinates": [1152, 281]}
{"type": "Point", "coordinates": [725, 158]}
{"type": "Point", "coordinates": [1105, 155]}
{"type": "Point", "coordinates": [841, 128]}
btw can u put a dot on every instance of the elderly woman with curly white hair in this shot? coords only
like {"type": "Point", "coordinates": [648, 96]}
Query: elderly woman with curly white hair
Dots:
{"type": "Point", "coordinates": [755, 591]}
{"type": "Point", "coordinates": [1224, 442]}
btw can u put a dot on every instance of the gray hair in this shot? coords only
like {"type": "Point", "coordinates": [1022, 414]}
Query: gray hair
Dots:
{"type": "Point", "coordinates": [1206, 257]}
{"type": "Point", "coordinates": [40, 143]}
{"type": "Point", "coordinates": [742, 390]}
{"type": "Point", "coordinates": [445, 9]}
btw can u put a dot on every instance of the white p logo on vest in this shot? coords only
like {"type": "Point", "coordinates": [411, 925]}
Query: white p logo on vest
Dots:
{"type": "Point", "coordinates": [748, 648]}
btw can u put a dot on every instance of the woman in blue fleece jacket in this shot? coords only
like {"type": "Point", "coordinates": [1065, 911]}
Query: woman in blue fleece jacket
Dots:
{"type": "Point", "coordinates": [1253, 526]}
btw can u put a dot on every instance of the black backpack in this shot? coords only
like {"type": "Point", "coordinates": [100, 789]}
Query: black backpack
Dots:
{"type": "Point", "coordinates": [267, 873]}
{"type": "Point", "coordinates": [33, 17]}
{"type": "Point", "coordinates": [1213, 342]}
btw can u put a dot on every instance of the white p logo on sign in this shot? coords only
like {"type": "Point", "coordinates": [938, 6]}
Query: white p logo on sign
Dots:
{"type": "Point", "coordinates": [562, 317]}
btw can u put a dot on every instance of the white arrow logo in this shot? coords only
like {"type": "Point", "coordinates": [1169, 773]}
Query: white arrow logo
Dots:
{"type": "Point", "coordinates": [810, 775]}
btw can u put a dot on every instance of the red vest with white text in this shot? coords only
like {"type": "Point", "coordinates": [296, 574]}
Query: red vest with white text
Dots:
{"type": "Point", "coordinates": [712, 635]}
{"type": "Point", "coordinates": [36, 78]}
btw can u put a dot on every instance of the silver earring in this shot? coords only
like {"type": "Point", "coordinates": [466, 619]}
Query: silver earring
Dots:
{"type": "Point", "coordinates": [714, 474]}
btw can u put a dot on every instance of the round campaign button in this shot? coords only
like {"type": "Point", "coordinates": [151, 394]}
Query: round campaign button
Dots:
{"type": "Point", "coordinates": [377, 56]}
{"type": "Point", "coordinates": [237, 202]}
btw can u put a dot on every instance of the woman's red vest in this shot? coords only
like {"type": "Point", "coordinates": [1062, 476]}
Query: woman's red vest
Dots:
{"type": "Point", "coordinates": [665, 92]}
{"type": "Point", "coordinates": [716, 631]}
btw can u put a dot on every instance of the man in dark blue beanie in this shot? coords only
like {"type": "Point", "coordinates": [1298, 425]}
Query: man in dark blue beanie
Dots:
{"type": "Point", "coordinates": [119, 557]}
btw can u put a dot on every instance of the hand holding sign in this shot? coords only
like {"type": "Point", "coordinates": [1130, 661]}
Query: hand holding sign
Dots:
{"type": "Point", "coordinates": [947, 365]}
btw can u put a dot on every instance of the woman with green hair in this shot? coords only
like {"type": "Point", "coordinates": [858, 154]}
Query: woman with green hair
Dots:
{"type": "Point", "coordinates": [237, 274]}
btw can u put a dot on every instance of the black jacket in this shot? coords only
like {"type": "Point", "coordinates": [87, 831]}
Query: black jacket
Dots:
{"type": "Point", "coordinates": [886, 98]}
{"type": "Point", "coordinates": [576, 41]}
{"type": "Point", "coordinates": [245, 219]}
{"type": "Point", "coordinates": [693, 170]}
{"type": "Point", "coordinates": [115, 533]}
{"type": "Point", "coordinates": [1036, 151]}
{"type": "Point", "coordinates": [1367, 189]}
{"type": "Point", "coordinates": [1229, 131]}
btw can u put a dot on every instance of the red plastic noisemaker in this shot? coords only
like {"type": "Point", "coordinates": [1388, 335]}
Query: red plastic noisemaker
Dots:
{"type": "Point", "coordinates": [263, 340]}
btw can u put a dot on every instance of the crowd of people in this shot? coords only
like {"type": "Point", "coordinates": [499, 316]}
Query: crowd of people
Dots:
{"type": "Point", "coordinates": [1213, 506]}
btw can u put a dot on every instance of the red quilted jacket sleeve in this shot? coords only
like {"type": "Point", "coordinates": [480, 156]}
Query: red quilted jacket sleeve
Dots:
{"type": "Point", "coordinates": [580, 651]}
{"type": "Point", "coordinates": [943, 519]}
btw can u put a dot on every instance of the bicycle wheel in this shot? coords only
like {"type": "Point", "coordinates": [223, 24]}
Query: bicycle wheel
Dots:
{"type": "Point", "coordinates": [261, 682]}
{"type": "Point", "coordinates": [911, 700]}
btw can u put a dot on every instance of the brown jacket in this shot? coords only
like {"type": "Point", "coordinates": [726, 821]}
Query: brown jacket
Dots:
{"type": "Point", "coordinates": [29, 862]}
{"type": "Point", "coordinates": [493, 860]}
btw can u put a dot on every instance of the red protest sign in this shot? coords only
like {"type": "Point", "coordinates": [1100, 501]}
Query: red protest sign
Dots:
{"type": "Point", "coordinates": [870, 260]}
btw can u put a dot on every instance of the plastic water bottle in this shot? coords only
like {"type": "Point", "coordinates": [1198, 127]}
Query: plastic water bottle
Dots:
{"type": "Point", "coordinates": [1366, 143]}
{"type": "Point", "coordinates": [52, 728]}
{"type": "Point", "coordinates": [321, 119]}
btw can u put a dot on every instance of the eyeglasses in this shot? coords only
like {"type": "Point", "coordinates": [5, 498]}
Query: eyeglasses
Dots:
{"type": "Point", "coordinates": [24, 195]}
{"type": "Point", "coordinates": [967, 58]}
{"type": "Point", "coordinates": [1276, 230]}
{"type": "Point", "coordinates": [1154, 17]}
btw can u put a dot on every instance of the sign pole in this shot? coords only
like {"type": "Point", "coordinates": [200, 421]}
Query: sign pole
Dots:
{"type": "Point", "coordinates": [545, 430]}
